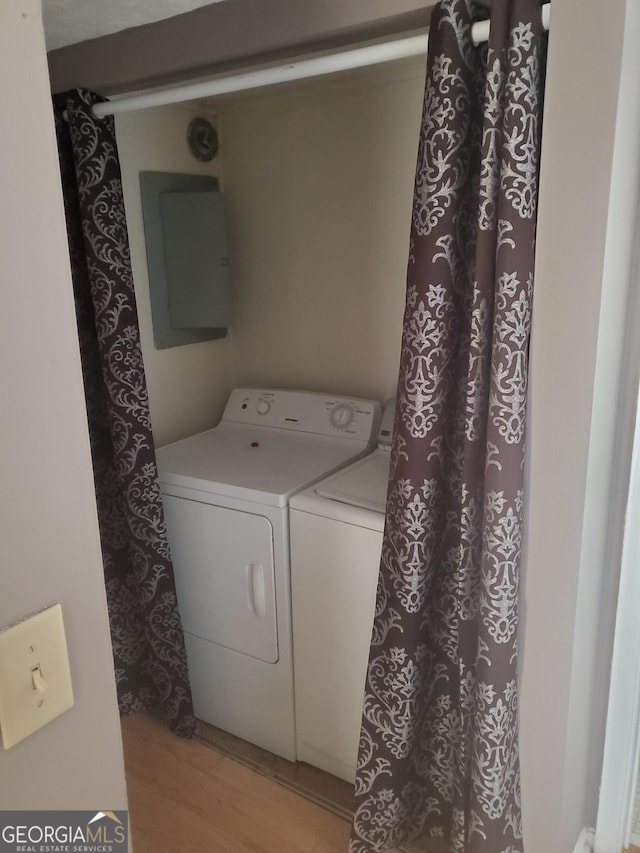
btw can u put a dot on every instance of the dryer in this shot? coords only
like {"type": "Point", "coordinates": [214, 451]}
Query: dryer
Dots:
{"type": "Point", "coordinates": [336, 540]}
{"type": "Point", "coordinates": [226, 496]}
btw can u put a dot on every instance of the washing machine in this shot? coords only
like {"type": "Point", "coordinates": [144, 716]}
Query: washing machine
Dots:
{"type": "Point", "coordinates": [336, 540]}
{"type": "Point", "coordinates": [226, 496]}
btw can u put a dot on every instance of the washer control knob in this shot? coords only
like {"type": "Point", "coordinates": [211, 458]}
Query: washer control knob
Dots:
{"type": "Point", "coordinates": [263, 407]}
{"type": "Point", "coordinates": [342, 416]}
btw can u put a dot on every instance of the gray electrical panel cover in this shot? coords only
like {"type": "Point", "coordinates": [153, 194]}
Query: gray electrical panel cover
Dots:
{"type": "Point", "coordinates": [189, 274]}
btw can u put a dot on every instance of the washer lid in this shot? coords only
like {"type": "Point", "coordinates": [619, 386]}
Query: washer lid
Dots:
{"type": "Point", "coordinates": [363, 484]}
{"type": "Point", "coordinates": [253, 463]}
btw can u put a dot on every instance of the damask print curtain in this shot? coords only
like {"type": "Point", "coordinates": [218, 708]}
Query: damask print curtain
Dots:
{"type": "Point", "coordinates": [439, 742]}
{"type": "Point", "coordinates": [146, 632]}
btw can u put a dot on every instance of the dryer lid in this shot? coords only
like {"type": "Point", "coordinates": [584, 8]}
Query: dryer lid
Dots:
{"type": "Point", "coordinates": [253, 463]}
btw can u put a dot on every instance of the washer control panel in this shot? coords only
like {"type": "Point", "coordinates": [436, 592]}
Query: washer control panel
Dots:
{"type": "Point", "coordinates": [304, 411]}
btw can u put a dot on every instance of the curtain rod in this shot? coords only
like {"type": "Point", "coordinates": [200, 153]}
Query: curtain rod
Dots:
{"type": "Point", "coordinates": [359, 57]}
{"type": "Point", "coordinates": [480, 30]}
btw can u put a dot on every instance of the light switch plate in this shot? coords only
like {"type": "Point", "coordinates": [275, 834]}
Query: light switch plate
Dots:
{"type": "Point", "coordinates": [35, 681]}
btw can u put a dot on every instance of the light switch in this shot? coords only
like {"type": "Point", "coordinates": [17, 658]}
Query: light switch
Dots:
{"type": "Point", "coordinates": [35, 681]}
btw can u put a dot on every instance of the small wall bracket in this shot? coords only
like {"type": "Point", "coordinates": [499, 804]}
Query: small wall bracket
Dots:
{"type": "Point", "coordinates": [203, 139]}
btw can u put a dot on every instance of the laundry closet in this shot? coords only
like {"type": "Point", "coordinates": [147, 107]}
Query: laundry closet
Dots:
{"type": "Point", "coordinates": [317, 181]}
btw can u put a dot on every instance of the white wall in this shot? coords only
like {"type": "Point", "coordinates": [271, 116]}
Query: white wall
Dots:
{"type": "Point", "coordinates": [48, 526]}
{"type": "Point", "coordinates": [578, 434]}
{"type": "Point", "coordinates": [319, 181]}
{"type": "Point", "coordinates": [188, 385]}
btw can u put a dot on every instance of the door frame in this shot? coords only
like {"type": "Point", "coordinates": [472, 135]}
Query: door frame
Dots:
{"type": "Point", "coordinates": [622, 738]}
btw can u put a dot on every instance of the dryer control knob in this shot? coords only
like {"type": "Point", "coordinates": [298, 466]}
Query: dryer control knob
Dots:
{"type": "Point", "coordinates": [263, 407]}
{"type": "Point", "coordinates": [342, 416]}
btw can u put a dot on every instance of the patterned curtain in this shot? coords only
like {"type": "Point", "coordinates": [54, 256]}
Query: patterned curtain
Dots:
{"type": "Point", "coordinates": [146, 632]}
{"type": "Point", "coordinates": [439, 742]}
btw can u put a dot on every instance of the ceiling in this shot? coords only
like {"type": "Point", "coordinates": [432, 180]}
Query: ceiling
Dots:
{"type": "Point", "coordinates": [70, 21]}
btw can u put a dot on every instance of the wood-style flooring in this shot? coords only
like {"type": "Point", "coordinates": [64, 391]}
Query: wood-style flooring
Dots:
{"type": "Point", "coordinates": [185, 797]}
{"type": "Point", "coordinates": [313, 784]}
{"type": "Point", "coordinates": [226, 796]}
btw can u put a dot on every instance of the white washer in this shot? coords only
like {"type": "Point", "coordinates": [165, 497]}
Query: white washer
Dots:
{"type": "Point", "coordinates": [226, 494]}
{"type": "Point", "coordinates": [336, 540]}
